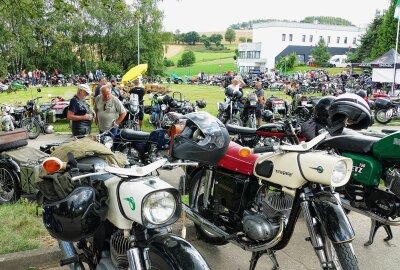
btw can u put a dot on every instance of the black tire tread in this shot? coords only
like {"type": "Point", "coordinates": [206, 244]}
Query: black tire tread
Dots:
{"type": "Point", "coordinates": [346, 256]}
{"type": "Point", "coordinates": [381, 122]}
{"type": "Point", "coordinates": [31, 135]}
{"type": "Point", "coordinates": [16, 182]}
{"type": "Point", "coordinates": [13, 145]}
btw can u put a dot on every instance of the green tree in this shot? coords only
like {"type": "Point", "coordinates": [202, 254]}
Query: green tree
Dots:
{"type": "Point", "coordinates": [167, 37]}
{"type": "Point", "coordinates": [230, 35]}
{"type": "Point", "coordinates": [320, 53]}
{"type": "Point", "coordinates": [216, 38]}
{"type": "Point", "coordinates": [289, 61]}
{"type": "Point", "coordinates": [386, 38]}
{"type": "Point", "coordinates": [326, 20]}
{"type": "Point", "coordinates": [192, 37]}
{"type": "Point", "coordinates": [188, 58]}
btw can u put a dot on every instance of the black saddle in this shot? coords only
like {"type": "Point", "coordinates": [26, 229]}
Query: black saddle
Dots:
{"type": "Point", "coordinates": [352, 142]}
{"type": "Point", "coordinates": [134, 135]}
{"type": "Point", "coordinates": [240, 130]}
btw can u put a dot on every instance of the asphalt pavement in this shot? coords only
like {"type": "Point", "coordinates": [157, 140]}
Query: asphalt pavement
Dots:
{"type": "Point", "coordinates": [299, 253]}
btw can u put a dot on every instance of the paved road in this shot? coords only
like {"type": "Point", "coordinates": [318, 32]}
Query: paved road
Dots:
{"type": "Point", "coordinates": [298, 254]}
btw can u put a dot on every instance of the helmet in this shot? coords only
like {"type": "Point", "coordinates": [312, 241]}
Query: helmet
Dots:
{"type": "Point", "coordinates": [49, 129]}
{"type": "Point", "coordinates": [204, 139]}
{"type": "Point", "coordinates": [201, 103]}
{"type": "Point", "coordinates": [350, 110]}
{"type": "Point", "coordinates": [74, 217]}
{"type": "Point", "coordinates": [170, 119]}
{"type": "Point", "coordinates": [85, 88]}
{"type": "Point", "coordinates": [229, 91]}
{"type": "Point", "coordinates": [362, 94]}
{"type": "Point", "coordinates": [237, 94]}
{"type": "Point", "coordinates": [267, 116]}
{"type": "Point", "coordinates": [166, 99]}
{"type": "Point", "coordinates": [321, 110]}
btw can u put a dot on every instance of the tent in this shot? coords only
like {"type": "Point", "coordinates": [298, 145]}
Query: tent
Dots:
{"type": "Point", "coordinates": [383, 67]}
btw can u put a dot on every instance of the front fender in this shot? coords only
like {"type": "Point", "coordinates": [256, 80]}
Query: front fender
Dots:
{"type": "Point", "coordinates": [333, 218]}
{"type": "Point", "coordinates": [175, 253]}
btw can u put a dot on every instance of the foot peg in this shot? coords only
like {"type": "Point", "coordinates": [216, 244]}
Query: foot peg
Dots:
{"type": "Point", "coordinates": [375, 225]}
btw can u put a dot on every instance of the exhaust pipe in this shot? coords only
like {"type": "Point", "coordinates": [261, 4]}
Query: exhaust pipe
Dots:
{"type": "Point", "coordinates": [205, 224]}
{"type": "Point", "coordinates": [70, 256]}
{"type": "Point", "coordinates": [346, 205]}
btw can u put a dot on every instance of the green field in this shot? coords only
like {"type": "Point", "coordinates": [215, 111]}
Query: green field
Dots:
{"type": "Point", "coordinates": [209, 67]}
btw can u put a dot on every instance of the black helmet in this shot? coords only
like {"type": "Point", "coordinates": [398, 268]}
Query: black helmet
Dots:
{"type": "Point", "coordinates": [166, 99]}
{"type": "Point", "coordinates": [237, 94]}
{"type": "Point", "coordinates": [229, 91]}
{"type": "Point", "coordinates": [362, 94]}
{"type": "Point", "coordinates": [349, 108]}
{"type": "Point", "coordinates": [170, 119]}
{"type": "Point", "coordinates": [201, 103]}
{"type": "Point", "coordinates": [321, 110]}
{"type": "Point", "coordinates": [74, 217]}
{"type": "Point", "coordinates": [267, 116]}
{"type": "Point", "coordinates": [204, 139]}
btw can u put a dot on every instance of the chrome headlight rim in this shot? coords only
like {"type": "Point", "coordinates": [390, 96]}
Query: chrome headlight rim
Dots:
{"type": "Point", "coordinates": [172, 218]}
{"type": "Point", "coordinates": [108, 141]}
{"type": "Point", "coordinates": [339, 174]}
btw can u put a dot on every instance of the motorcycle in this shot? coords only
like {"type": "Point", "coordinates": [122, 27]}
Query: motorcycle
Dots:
{"type": "Point", "coordinates": [131, 105]}
{"type": "Point", "coordinates": [249, 111]}
{"type": "Point", "coordinates": [277, 105]}
{"type": "Point", "coordinates": [254, 201]}
{"type": "Point", "coordinates": [374, 159]}
{"type": "Point", "coordinates": [118, 217]}
{"type": "Point", "coordinates": [17, 114]}
{"type": "Point", "coordinates": [229, 110]}
{"type": "Point", "coordinates": [386, 110]}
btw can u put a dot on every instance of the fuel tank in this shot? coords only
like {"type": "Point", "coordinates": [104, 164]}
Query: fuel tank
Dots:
{"type": "Point", "coordinates": [388, 148]}
{"type": "Point", "coordinates": [367, 170]}
{"type": "Point", "coordinates": [233, 162]}
{"type": "Point", "coordinates": [271, 130]}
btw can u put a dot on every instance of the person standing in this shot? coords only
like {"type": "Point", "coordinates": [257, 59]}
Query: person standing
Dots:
{"type": "Point", "coordinates": [138, 90]}
{"type": "Point", "coordinates": [102, 82]}
{"type": "Point", "coordinates": [259, 91]}
{"type": "Point", "coordinates": [79, 112]}
{"type": "Point", "coordinates": [115, 90]}
{"type": "Point", "coordinates": [108, 108]}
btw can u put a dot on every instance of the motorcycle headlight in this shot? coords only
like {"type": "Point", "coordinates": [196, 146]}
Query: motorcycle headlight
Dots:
{"type": "Point", "coordinates": [108, 142]}
{"type": "Point", "coordinates": [159, 208]}
{"type": "Point", "coordinates": [339, 173]}
{"type": "Point", "coordinates": [163, 107]}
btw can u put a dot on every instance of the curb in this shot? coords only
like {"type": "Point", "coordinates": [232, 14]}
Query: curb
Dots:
{"type": "Point", "coordinates": [43, 257]}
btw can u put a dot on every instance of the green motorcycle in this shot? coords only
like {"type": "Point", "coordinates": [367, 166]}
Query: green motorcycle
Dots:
{"type": "Point", "coordinates": [17, 85]}
{"type": "Point", "coordinates": [374, 159]}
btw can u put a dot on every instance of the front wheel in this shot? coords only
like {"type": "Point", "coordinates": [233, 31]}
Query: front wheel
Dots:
{"type": "Point", "coordinates": [235, 120]}
{"type": "Point", "coordinates": [252, 120]}
{"type": "Point", "coordinates": [33, 127]}
{"type": "Point", "coordinates": [383, 116]}
{"type": "Point", "coordinates": [341, 255]}
{"type": "Point", "coordinates": [10, 190]}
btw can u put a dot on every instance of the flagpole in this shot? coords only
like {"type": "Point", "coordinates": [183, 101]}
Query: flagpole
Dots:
{"type": "Point", "coordinates": [396, 15]}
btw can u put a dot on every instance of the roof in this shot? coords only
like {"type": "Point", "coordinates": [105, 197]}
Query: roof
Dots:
{"type": "Point", "coordinates": [384, 61]}
{"type": "Point", "coordinates": [306, 50]}
{"type": "Point", "coordinates": [308, 26]}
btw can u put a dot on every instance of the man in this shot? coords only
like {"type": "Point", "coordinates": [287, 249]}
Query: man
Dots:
{"type": "Point", "coordinates": [79, 112]}
{"type": "Point", "coordinates": [115, 90]}
{"type": "Point", "coordinates": [138, 90]}
{"type": "Point", "coordinates": [102, 82]}
{"type": "Point", "coordinates": [259, 91]}
{"type": "Point", "coordinates": [108, 108]}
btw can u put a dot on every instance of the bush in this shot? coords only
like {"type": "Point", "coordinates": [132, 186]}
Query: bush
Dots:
{"type": "Point", "coordinates": [168, 62]}
{"type": "Point", "coordinates": [290, 63]}
{"type": "Point", "coordinates": [110, 68]}
{"type": "Point", "coordinates": [188, 58]}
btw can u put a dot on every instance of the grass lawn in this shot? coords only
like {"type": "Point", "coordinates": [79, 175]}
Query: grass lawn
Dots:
{"type": "Point", "coordinates": [209, 67]}
{"type": "Point", "coordinates": [202, 54]}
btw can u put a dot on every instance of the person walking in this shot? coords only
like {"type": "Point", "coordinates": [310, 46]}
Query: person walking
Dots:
{"type": "Point", "coordinates": [79, 112]}
{"type": "Point", "coordinates": [108, 108]}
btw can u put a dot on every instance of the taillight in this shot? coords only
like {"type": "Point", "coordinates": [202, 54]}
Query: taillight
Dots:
{"type": "Point", "coordinates": [52, 164]}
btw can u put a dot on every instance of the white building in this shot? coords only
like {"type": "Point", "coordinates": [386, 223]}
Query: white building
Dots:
{"type": "Point", "coordinates": [272, 40]}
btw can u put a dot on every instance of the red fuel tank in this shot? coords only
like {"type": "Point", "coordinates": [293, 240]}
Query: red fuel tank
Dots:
{"type": "Point", "coordinates": [232, 161]}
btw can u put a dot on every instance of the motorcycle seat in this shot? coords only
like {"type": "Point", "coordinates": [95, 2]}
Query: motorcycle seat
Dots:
{"type": "Point", "coordinates": [134, 135]}
{"type": "Point", "coordinates": [240, 130]}
{"type": "Point", "coordinates": [355, 143]}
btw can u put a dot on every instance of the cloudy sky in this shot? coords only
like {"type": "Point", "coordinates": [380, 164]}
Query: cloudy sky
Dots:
{"type": "Point", "coordinates": [217, 15]}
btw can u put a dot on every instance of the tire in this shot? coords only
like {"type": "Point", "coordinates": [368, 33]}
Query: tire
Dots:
{"type": "Point", "coordinates": [342, 254]}
{"type": "Point", "coordinates": [10, 190]}
{"type": "Point", "coordinates": [195, 201]}
{"type": "Point", "coordinates": [381, 116]}
{"type": "Point", "coordinates": [252, 120]}
{"type": "Point", "coordinates": [33, 127]}
{"type": "Point", "coordinates": [12, 145]}
{"type": "Point", "coordinates": [235, 121]}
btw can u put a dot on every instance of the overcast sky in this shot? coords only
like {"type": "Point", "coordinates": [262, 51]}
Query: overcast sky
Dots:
{"type": "Point", "coordinates": [217, 15]}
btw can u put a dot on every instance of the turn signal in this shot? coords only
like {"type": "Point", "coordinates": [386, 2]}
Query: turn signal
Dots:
{"type": "Point", "coordinates": [244, 152]}
{"type": "Point", "coordinates": [52, 164]}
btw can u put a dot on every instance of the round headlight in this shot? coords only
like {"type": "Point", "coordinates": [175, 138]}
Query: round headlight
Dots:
{"type": "Point", "coordinates": [108, 142]}
{"type": "Point", "coordinates": [339, 173]}
{"type": "Point", "coordinates": [163, 107]}
{"type": "Point", "coordinates": [159, 207]}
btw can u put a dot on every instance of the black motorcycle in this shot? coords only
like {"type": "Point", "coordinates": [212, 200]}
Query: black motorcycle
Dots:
{"type": "Point", "coordinates": [229, 110]}
{"type": "Point", "coordinates": [386, 110]}
{"type": "Point", "coordinates": [248, 114]}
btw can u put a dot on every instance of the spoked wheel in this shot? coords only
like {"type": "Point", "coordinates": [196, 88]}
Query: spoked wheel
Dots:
{"type": "Point", "coordinates": [196, 197]}
{"type": "Point", "coordinates": [235, 120]}
{"type": "Point", "coordinates": [33, 127]}
{"type": "Point", "coordinates": [383, 116]}
{"type": "Point", "coordinates": [9, 185]}
{"type": "Point", "coordinates": [340, 255]}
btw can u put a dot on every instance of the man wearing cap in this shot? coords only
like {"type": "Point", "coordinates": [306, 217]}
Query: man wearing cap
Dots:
{"type": "Point", "coordinates": [79, 112]}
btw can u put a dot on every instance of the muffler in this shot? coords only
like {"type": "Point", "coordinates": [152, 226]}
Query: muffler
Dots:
{"type": "Point", "coordinates": [70, 256]}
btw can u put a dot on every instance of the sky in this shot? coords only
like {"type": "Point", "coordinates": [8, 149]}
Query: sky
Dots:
{"type": "Point", "coordinates": [217, 15]}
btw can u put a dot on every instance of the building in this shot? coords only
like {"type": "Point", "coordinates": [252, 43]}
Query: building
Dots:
{"type": "Point", "coordinates": [273, 40]}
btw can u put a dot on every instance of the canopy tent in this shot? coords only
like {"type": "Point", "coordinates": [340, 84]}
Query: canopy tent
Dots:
{"type": "Point", "coordinates": [383, 67]}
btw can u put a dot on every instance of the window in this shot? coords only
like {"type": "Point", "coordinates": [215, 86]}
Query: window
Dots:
{"type": "Point", "coordinates": [283, 37]}
{"type": "Point", "coordinates": [257, 55]}
{"type": "Point", "coordinates": [354, 40]}
{"type": "Point", "coordinates": [328, 39]}
{"type": "Point", "coordinates": [290, 37]}
{"type": "Point", "coordinates": [338, 40]}
{"type": "Point", "coordinates": [242, 54]}
{"type": "Point", "coordinates": [345, 40]}
{"type": "Point", "coordinates": [303, 38]}
{"type": "Point", "coordinates": [311, 38]}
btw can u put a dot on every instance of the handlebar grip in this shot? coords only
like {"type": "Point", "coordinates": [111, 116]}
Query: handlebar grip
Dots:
{"type": "Point", "coordinates": [264, 149]}
{"type": "Point", "coordinates": [85, 167]}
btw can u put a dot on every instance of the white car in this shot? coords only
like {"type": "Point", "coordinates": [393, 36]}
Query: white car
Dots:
{"type": "Point", "coordinates": [339, 61]}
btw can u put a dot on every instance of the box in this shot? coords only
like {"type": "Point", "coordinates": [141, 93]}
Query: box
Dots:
{"type": "Point", "coordinates": [29, 175]}
{"type": "Point", "coordinates": [51, 116]}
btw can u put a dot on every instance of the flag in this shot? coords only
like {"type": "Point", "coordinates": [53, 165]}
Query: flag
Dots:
{"type": "Point", "coordinates": [397, 10]}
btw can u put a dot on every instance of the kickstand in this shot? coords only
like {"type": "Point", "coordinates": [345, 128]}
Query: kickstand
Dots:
{"type": "Point", "coordinates": [375, 225]}
{"type": "Point", "coordinates": [256, 255]}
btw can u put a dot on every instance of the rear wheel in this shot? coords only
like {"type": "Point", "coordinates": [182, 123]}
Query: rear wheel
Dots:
{"type": "Point", "coordinates": [383, 116]}
{"type": "Point", "coordinates": [10, 190]}
{"type": "Point", "coordinates": [33, 127]}
{"type": "Point", "coordinates": [196, 196]}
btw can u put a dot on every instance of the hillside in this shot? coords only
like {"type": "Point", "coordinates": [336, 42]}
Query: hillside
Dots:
{"type": "Point", "coordinates": [239, 33]}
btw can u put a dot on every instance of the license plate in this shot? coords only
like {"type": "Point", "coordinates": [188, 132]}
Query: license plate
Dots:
{"type": "Point", "coordinates": [253, 103]}
{"type": "Point", "coordinates": [304, 103]}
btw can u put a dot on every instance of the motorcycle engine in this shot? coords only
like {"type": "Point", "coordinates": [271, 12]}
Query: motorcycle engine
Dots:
{"type": "Point", "coordinates": [264, 224]}
{"type": "Point", "coordinates": [392, 181]}
{"type": "Point", "coordinates": [119, 246]}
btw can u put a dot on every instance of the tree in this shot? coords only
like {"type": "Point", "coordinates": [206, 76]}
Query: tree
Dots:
{"type": "Point", "coordinates": [386, 37]}
{"type": "Point", "coordinates": [230, 35]}
{"type": "Point", "coordinates": [326, 20]}
{"type": "Point", "coordinates": [242, 39]}
{"type": "Point", "coordinates": [320, 53]}
{"type": "Point", "coordinates": [192, 37]}
{"type": "Point", "coordinates": [167, 37]}
{"type": "Point", "coordinates": [216, 38]}
{"type": "Point", "coordinates": [188, 58]}
{"type": "Point", "coordinates": [288, 61]}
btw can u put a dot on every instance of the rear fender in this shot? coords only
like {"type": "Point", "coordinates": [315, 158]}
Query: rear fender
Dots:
{"type": "Point", "coordinates": [171, 252]}
{"type": "Point", "coordinates": [333, 218]}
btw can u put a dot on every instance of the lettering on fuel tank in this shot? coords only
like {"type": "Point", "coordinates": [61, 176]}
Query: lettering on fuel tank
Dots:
{"type": "Point", "coordinates": [359, 168]}
{"type": "Point", "coordinates": [284, 173]}
{"type": "Point", "coordinates": [396, 141]}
